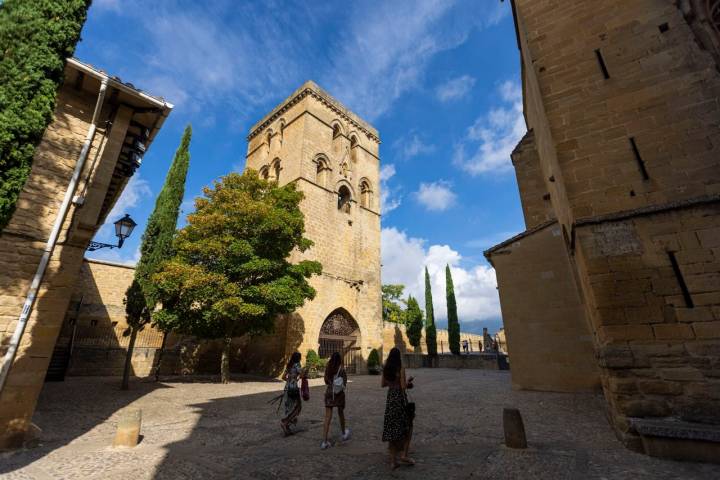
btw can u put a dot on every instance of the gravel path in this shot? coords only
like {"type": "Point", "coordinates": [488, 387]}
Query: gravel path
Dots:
{"type": "Point", "coordinates": [207, 430]}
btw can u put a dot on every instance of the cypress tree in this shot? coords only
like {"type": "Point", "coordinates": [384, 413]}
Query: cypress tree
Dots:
{"type": "Point", "coordinates": [453, 323]}
{"type": "Point", "coordinates": [414, 322]}
{"type": "Point", "coordinates": [430, 332]}
{"type": "Point", "coordinates": [156, 247]}
{"type": "Point", "coordinates": [36, 38]}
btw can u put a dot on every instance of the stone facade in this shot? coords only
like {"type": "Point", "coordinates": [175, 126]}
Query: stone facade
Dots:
{"type": "Point", "coordinates": [332, 156]}
{"type": "Point", "coordinates": [623, 152]}
{"type": "Point", "coordinates": [124, 114]}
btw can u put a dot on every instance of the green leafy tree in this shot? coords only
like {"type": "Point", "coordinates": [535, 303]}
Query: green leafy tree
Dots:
{"type": "Point", "coordinates": [231, 275]}
{"type": "Point", "coordinates": [36, 38]}
{"type": "Point", "coordinates": [373, 359]}
{"type": "Point", "coordinates": [414, 322]}
{"type": "Point", "coordinates": [453, 322]}
{"type": "Point", "coordinates": [156, 247]}
{"type": "Point", "coordinates": [392, 303]}
{"type": "Point", "coordinates": [430, 331]}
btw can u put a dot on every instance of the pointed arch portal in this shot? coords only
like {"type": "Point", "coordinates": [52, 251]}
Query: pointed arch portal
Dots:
{"type": "Point", "coordinates": [340, 333]}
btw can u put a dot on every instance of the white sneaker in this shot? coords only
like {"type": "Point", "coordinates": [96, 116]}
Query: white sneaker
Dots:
{"type": "Point", "coordinates": [346, 435]}
{"type": "Point", "coordinates": [324, 445]}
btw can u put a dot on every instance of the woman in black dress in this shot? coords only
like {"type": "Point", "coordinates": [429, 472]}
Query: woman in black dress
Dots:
{"type": "Point", "coordinates": [398, 425]}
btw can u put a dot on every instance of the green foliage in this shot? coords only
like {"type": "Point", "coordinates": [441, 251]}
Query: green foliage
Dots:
{"type": "Point", "coordinates": [315, 365]}
{"type": "Point", "coordinates": [453, 322]}
{"type": "Point", "coordinates": [157, 241]}
{"type": "Point", "coordinates": [231, 275]}
{"type": "Point", "coordinates": [36, 37]}
{"type": "Point", "coordinates": [414, 322]}
{"type": "Point", "coordinates": [312, 358]}
{"type": "Point", "coordinates": [391, 303]}
{"type": "Point", "coordinates": [373, 359]}
{"type": "Point", "coordinates": [430, 331]}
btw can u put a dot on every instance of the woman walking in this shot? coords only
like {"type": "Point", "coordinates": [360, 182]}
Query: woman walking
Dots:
{"type": "Point", "coordinates": [398, 424]}
{"type": "Point", "coordinates": [292, 376]}
{"type": "Point", "coordinates": [336, 381]}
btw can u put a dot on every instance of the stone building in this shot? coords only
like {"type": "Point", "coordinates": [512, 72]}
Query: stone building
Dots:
{"type": "Point", "coordinates": [332, 156]}
{"type": "Point", "coordinates": [616, 280]}
{"type": "Point", "coordinates": [126, 120]}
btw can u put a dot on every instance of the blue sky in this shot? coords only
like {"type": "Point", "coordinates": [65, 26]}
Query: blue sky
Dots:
{"type": "Point", "coordinates": [438, 79]}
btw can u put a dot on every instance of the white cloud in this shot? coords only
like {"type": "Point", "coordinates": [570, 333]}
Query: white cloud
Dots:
{"type": "Point", "coordinates": [412, 145]}
{"type": "Point", "coordinates": [493, 136]}
{"type": "Point", "coordinates": [455, 88]}
{"type": "Point", "coordinates": [136, 191]}
{"type": "Point", "coordinates": [436, 196]}
{"type": "Point", "coordinates": [404, 260]}
{"type": "Point", "coordinates": [196, 56]}
{"type": "Point", "coordinates": [387, 47]}
{"type": "Point", "coordinates": [389, 197]}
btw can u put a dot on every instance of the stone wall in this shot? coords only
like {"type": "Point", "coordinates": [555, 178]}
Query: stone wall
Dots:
{"type": "Point", "coordinates": [548, 337]}
{"type": "Point", "coordinates": [23, 240]}
{"type": "Point", "coordinates": [622, 103]}
{"type": "Point", "coordinates": [394, 335]}
{"type": "Point", "coordinates": [482, 361]}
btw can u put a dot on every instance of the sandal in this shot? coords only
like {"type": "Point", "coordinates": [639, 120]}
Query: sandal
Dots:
{"type": "Point", "coordinates": [407, 461]}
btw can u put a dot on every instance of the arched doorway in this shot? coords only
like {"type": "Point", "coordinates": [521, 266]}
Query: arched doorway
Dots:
{"type": "Point", "coordinates": [340, 333]}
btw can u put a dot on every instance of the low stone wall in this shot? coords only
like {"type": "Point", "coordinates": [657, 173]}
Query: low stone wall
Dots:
{"type": "Point", "coordinates": [481, 361]}
{"type": "Point", "coordinates": [394, 335]}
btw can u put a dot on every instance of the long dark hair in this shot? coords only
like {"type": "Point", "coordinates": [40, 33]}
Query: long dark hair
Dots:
{"type": "Point", "coordinates": [294, 358]}
{"type": "Point", "coordinates": [333, 365]}
{"type": "Point", "coordinates": [393, 364]}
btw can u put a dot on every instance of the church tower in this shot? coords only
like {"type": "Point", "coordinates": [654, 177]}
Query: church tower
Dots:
{"type": "Point", "coordinates": [332, 156]}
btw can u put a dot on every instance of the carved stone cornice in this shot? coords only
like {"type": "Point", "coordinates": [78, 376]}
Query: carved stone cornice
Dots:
{"type": "Point", "coordinates": [312, 89]}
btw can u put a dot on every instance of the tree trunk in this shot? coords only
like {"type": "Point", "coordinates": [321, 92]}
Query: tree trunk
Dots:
{"type": "Point", "coordinates": [225, 361]}
{"type": "Point", "coordinates": [159, 359]}
{"type": "Point", "coordinates": [128, 359]}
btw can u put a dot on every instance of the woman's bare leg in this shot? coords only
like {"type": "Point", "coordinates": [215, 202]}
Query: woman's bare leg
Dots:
{"type": "Point", "coordinates": [406, 448]}
{"type": "Point", "coordinates": [326, 425]}
{"type": "Point", "coordinates": [341, 414]}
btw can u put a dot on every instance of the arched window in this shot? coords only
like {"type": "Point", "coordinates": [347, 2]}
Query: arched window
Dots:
{"type": "Point", "coordinates": [268, 141]}
{"type": "Point", "coordinates": [265, 173]}
{"type": "Point", "coordinates": [344, 197]}
{"type": "Point", "coordinates": [275, 170]}
{"type": "Point", "coordinates": [322, 172]}
{"type": "Point", "coordinates": [353, 150]}
{"type": "Point", "coordinates": [337, 137]}
{"type": "Point", "coordinates": [282, 130]}
{"type": "Point", "coordinates": [365, 194]}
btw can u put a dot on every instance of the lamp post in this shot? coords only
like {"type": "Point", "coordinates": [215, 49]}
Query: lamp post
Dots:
{"type": "Point", "coordinates": [123, 229]}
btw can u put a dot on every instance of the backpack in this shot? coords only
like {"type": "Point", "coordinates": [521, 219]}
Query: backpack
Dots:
{"type": "Point", "coordinates": [338, 384]}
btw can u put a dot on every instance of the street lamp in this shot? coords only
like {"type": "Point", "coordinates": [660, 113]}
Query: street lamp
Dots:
{"type": "Point", "coordinates": [123, 229]}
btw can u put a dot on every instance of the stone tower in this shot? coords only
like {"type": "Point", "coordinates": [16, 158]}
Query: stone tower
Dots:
{"type": "Point", "coordinates": [332, 156]}
{"type": "Point", "coordinates": [616, 281]}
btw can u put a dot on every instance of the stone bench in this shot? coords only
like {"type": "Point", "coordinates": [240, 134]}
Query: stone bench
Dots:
{"type": "Point", "coordinates": [672, 438]}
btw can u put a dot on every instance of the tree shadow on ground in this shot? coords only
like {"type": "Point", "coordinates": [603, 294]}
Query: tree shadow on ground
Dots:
{"type": "Point", "coordinates": [240, 437]}
{"type": "Point", "coordinates": [103, 400]}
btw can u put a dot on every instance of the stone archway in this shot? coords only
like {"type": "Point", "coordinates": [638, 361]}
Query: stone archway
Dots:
{"type": "Point", "coordinates": [340, 333]}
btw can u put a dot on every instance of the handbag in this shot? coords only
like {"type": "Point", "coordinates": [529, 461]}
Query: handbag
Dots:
{"type": "Point", "coordinates": [409, 408]}
{"type": "Point", "coordinates": [305, 389]}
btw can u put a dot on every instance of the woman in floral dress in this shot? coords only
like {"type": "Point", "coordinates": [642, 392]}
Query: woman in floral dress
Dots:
{"type": "Point", "coordinates": [293, 404]}
{"type": "Point", "coordinates": [398, 425]}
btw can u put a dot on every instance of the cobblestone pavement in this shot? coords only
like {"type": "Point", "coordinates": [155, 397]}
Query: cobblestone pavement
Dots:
{"type": "Point", "coordinates": [206, 430]}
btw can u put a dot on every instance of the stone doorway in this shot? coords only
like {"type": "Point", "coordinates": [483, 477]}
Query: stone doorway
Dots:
{"type": "Point", "coordinates": [340, 333]}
